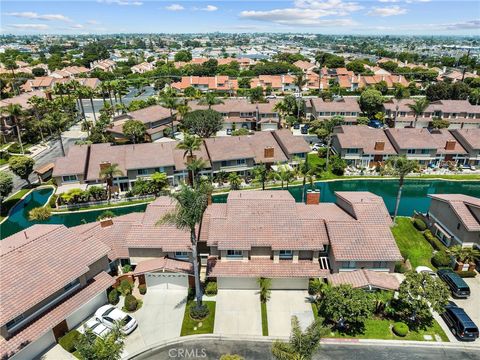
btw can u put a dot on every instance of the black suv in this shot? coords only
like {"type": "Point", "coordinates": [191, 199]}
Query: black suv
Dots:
{"type": "Point", "coordinates": [460, 323]}
{"type": "Point", "coordinates": [456, 284]}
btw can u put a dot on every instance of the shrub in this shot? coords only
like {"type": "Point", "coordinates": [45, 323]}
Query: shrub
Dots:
{"type": "Point", "coordinates": [40, 213]}
{"type": "Point", "coordinates": [69, 340]}
{"type": "Point", "coordinates": [211, 288]}
{"type": "Point", "coordinates": [142, 288]}
{"type": "Point", "coordinates": [113, 297]}
{"type": "Point", "coordinates": [314, 286]}
{"type": "Point", "coordinates": [419, 224]}
{"type": "Point", "coordinates": [400, 267]}
{"type": "Point", "coordinates": [191, 294]}
{"type": "Point", "coordinates": [433, 240]}
{"type": "Point", "coordinates": [231, 357]}
{"type": "Point", "coordinates": [125, 288]}
{"type": "Point", "coordinates": [127, 268]}
{"type": "Point", "coordinates": [441, 259]}
{"type": "Point", "coordinates": [107, 214]}
{"type": "Point", "coordinates": [400, 329]}
{"type": "Point", "coordinates": [53, 201]}
{"type": "Point", "coordinates": [199, 312]}
{"type": "Point", "coordinates": [130, 303]}
{"type": "Point", "coordinates": [467, 274]}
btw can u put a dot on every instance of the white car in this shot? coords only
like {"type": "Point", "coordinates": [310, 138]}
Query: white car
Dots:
{"type": "Point", "coordinates": [109, 315]}
{"type": "Point", "coordinates": [97, 327]}
{"type": "Point", "coordinates": [425, 269]}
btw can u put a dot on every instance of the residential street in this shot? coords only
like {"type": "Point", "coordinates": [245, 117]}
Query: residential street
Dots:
{"type": "Point", "coordinates": [250, 350]}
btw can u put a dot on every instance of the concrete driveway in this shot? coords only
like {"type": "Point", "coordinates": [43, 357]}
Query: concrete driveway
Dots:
{"type": "Point", "coordinates": [238, 313]}
{"type": "Point", "coordinates": [284, 304]}
{"type": "Point", "coordinates": [160, 318]}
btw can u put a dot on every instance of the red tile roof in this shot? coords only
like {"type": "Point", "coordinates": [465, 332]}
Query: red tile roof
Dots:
{"type": "Point", "coordinates": [365, 138]}
{"type": "Point", "coordinates": [38, 262]}
{"type": "Point", "coordinates": [365, 279]}
{"type": "Point", "coordinates": [265, 267]}
{"type": "Point", "coordinates": [53, 317]}
{"type": "Point", "coordinates": [461, 204]}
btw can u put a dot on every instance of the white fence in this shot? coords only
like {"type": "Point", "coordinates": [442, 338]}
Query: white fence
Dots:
{"type": "Point", "coordinates": [105, 202]}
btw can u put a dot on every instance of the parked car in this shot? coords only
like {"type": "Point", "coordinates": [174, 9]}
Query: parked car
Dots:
{"type": "Point", "coordinates": [304, 129]}
{"type": "Point", "coordinates": [317, 146]}
{"type": "Point", "coordinates": [110, 315]}
{"type": "Point", "coordinates": [375, 124]}
{"type": "Point", "coordinates": [457, 285]}
{"type": "Point", "coordinates": [271, 96]}
{"type": "Point", "coordinates": [426, 270]}
{"type": "Point", "coordinates": [296, 126]}
{"type": "Point", "coordinates": [97, 327]}
{"type": "Point", "coordinates": [460, 323]}
{"type": "Point", "coordinates": [229, 131]}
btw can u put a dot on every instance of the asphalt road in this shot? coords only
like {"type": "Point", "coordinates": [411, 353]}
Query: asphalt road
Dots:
{"type": "Point", "coordinates": [213, 349]}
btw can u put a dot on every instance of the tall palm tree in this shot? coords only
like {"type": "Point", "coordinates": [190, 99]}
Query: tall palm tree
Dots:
{"type": "Point", "coordinates": [12, 65]}
{"type": "Point", "coordinates": [418, 108]}
{"type": "Point", "coordinates": [307, 172]}
{"type": "Point", "coordinates": [400, 166]}
{"type": "Point", "coordinates": [37, 104]}
{"type": "Point", "coordinates": [194, 167]}
{"type": "Point", "coordinates": [60, 89]}
{"type": "Point", "coordinates": [183, 109]}
{"type": "Point", "coordinates": [299, 81]}
{"type": "Point", "coordinates": [89, 93]}
{"type": "Point", "coordinates": [210, 99]}
{"type": "Point", "coordinates": [261, 174]}
{"type": "Point", "coordinates": [108, 174]}
{"type": "Point", "coordinates": [188, 213]}
{"type": "Point", "coordinates": [170, 101]}
{"type": "Point", "coordinates": [284, 174]}
{"type": "Point", "coordinates": [57, 121]}
{"type": "Point", "coordinates": [302, 344]}
{"type": "Point", "coordinates": [189, 144]}
{"type": "Point", "coordinates": [15, 112]}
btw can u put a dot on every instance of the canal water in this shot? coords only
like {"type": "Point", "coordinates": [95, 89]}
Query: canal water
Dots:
{"type": "Point", "coordinates": [414, 198]}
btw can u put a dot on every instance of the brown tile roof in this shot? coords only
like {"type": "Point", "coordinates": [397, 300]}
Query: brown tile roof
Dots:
{"type": "Point", "coordinates": [22, 99]}
{"type": "Point", "coordinates": [446, 106]}
{"type": "Point", "coordinates": [219, 82]}
{"type": "Point", "coordinates": [365, 207]}
{"type": "Point", "coordinates": [304, 65]}
{"type": "Point", "coordinates": [237, 106]}
{"type": "Point", "coordinates": [357, 241]}
{"type": "Point", "coordinates": [277, 223]}
{"type": "Point", "coordinates": [163, 264]}
{"type": "Point", "coordinates": [345, 104]}
{"type": "Point", "coordinates": [38, 262]}
{"type": "Point", "coordinates": [442, 137]}
{"type": "Point", "coordinates": [151, 114]}
{"type": "Point", "coordinates": [365, 138]}
{"type": "Point", "coordinates": [289, 143]}
{"type": "Point", "coordinates": [53, 317]}
{"type": "Point", "coordinates": [468, 137]}
{"type": "Point", "coordinates": [411, 138]}
{"type": "Point", "coordinates": [365, 279]}
{"type": "Point", "coordinates": [74, 163]}
{"type": "Point", "coordinates": [266, 268]}
{"type": "Point", "coordinates": [461, 204]}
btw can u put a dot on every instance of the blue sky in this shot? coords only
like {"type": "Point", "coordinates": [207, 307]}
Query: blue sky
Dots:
{"type": "Point", "coordinates": [417, 17]}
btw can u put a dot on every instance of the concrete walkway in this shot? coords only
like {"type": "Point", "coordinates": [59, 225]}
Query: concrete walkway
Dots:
{"type": "Point", "coordinates": [284, 304]}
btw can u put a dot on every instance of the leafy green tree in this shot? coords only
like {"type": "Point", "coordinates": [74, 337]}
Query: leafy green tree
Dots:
{"type": "Point", "coordinates": [108, 347]}
{"type": "Point", "coordinates": [347, 307]}
{"type": "Point", "coordinates": [240, 132]}
{"type": "Point", "coordinates": [362, 120]}
{"type": "Point", "coordinates": [22, 166]}
{"type": "Point", "coordinates": [135, 130]}
{"type": "Point", "coordinates": [183, 56]}
{"type": "Point", "coordinates": [400, 166]}
{"type": "Point", "coordinates": [159, 182]}
{"type": "Point", "coordinates": [324, 130]}
{"type": "Point", "coordinates": [188, 213]}
{"type": "Point", "coordinates": [439, 123]}
{"type": "Point", "coordinates": [418, 108]}
{"type": "Point", "coordinates": [265, 285]}
{"type": "Point", "coordinates": [370, 102]}
{"type": "Point", "coordinates": [256, 95]}
{"type": "Point", "coordinates": [235, 181]}
{"type": "Point", "coordinates": [108, 174]}
{"type": "Point", "coordinates": [203, 123]}
{"type": "Point", "coordinates": [357, 66]}
{"type": "Point", "coordinates": [6, 185]}
{"type": "Point", "coordinates": [302, 344]}
{"type": "Point", "coordinates": [210, 99]}
{"type": "Point", "coordinates": [382, 86]}
{"type": "Point", "coordinates": [15, 112]}
{"type": "Point", "coordinates": [419, 293]}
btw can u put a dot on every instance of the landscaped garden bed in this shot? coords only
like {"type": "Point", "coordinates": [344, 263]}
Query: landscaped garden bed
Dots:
{"type": "Point", "coordinates": [192, 326]}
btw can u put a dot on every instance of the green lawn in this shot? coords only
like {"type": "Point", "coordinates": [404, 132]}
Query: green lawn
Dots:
{"type": "Point", "coordinates": [380, 329]}
{"type": "Point", "coordinates": [412, 244]}
{"type": "Point", "coordinates": [203, 327]}
{"type": "Point", "coordinates": [264, 319]}
{"type": "Point", "coordinates": [11, 202]}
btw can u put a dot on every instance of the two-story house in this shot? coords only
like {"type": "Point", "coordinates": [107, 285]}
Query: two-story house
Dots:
{"type": "Point", "coordinates": [470, 140]}
{"type": "Point", "coordinates": [51, 280]}
{"type": "Point", "coordinates": [156, 118]}
{"type": "Point", "coordinates": [415, 144]}
{"type": "Point", "coordinates": [455, 219]}
{"type": "Point", "coordinates": [449, 149]}
{"type": "Point", "coordinates": [346, 106]}
{"type": "Point", "coordinates": [361, 145]}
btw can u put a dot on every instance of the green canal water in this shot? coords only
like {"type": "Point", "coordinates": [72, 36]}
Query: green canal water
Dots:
{"type": "Point", "coordinates": [414, 198]}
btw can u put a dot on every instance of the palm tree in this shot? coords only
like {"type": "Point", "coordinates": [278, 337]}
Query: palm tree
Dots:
{"type": "Point", "coordinates": [14, 111]}
{"type": "Point", "coordinates": [57, 120]}
{"type": "Point", "coordinates": [235, 181]}
{"type": "Point", "coordinates": [464, 254]}
{"type": "Point", "coordinates": [299, 81]}
{"type": "Point", "coordinates": [183, 109]}
{"type": "Point", "coordinates": [12, 65]}
{"type": "Point", "coordinates": [418, 107]}
{"type": "Point", "coordinates": [89, 93]}
{"type": "Point", "coordinates": [194, 167]}
{"type": "Point", "coordinates": [189, 144]}
{"type": "Point", "coordinates": [284, 174]}
{"type": "Point", "coordinates": [261, 174]}
{"type": "Point", "coordinates": [307, 173]}
{"type": "Point", "coordinates": [169, 100]}
{"type": "Point", "coordinates": [210, 99]}
{"type": "Point", "coordinates": [37, 103]}
{"type": "Point", "coordinates": [302, 344]}
{"type": "Point", "coordinates": [107, 174]}
{"type": "Point", "coordinates": [221, 177]}
{"type": "Point", "coordinates": [400, 166]}
{"type": "Point", "coordinates": [265, 286]}
{"type": "Point", "coordinates": [188, 213]}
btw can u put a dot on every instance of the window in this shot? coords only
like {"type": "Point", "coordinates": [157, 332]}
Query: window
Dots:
{"type": "Point", "coordinates": [160, 169]}
{"type": "Point", "coordinates": [349, 264]}
{"type": "Point", "coordinates": [379, 264]}
{"type": "Point", "coordinates": [342, 113]}
{"type": "Point", "coordinates": [142, 171]}
{"type": "Point", "coordinates": [234, 253]}
{"type": "Point", "coordinates": [286, 254]}
{"type": "Point", "coordinates": [224, 163]}
{"type": "Point", "coordinates": [181, 254]}
{"type": "Point", "coordinates": [69, 178]}
{"type": "Point", "coordinates": [403, 113]}
{"type": "Point", "coordinates": [241, 162]}
{"type": "Point", "coordinates": [425, 151]}
{"type": "Point", "coordinates": [299, 155]}
{"type": "Point", "coordinates": [352, 151]}
{"type": "Point", "coordinates": [410, 151]}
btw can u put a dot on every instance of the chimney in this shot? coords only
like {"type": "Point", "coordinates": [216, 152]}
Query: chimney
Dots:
{"type": "Point", "coordinates": [269, 152]}
{"type": "Point", "coordinates": [106, 223]}
{"type": "Point", "coordinates": [104, 165]}
{"type": "Point", "coordinates": [379, 145]}
{"type": "Point", "coordinates": [450, 145]}
{"type": "Point", "coordinates": [313, 197]}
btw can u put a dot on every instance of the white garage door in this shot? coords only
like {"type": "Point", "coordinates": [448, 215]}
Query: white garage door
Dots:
{"type": "Point", "coordinates": [167, 281]}
{"type": "Point", "coordinates": [237, 283]}
{"type": "Point", "coordinates": [290, 284]}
